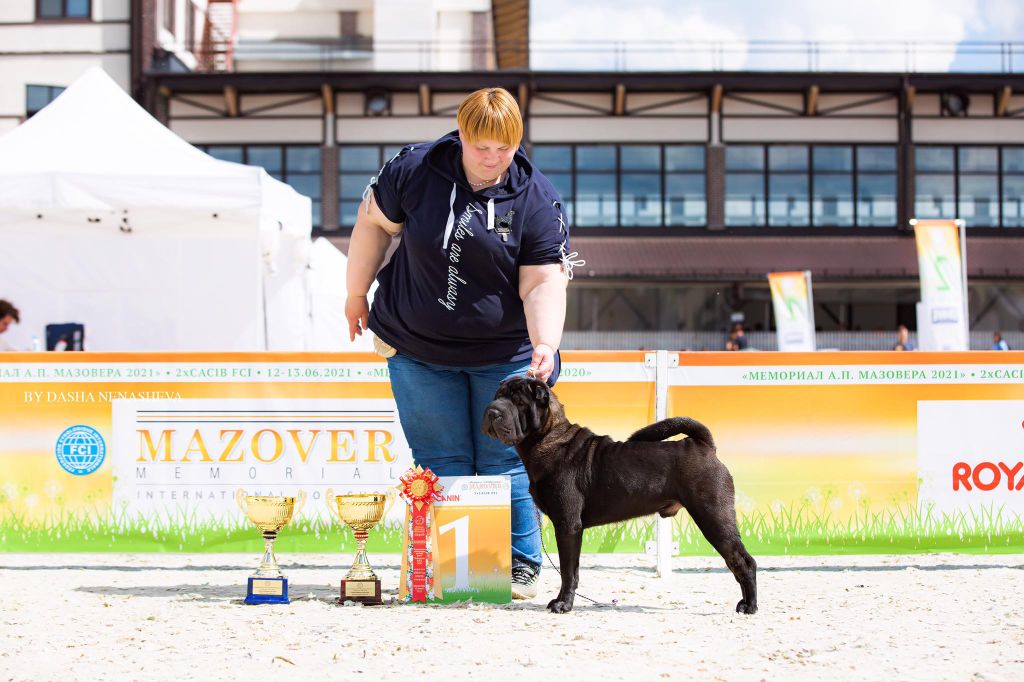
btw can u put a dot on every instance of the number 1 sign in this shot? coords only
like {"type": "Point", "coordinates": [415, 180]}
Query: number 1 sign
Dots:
{"type": "Point", "coordinates": [474, 526]}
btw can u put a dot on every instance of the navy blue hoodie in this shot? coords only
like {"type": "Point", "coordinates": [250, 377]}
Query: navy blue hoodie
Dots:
{"type": "Point", "coordinates": [450, 294]}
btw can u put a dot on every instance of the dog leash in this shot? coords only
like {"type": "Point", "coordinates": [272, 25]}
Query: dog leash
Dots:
{"type": "Point", "coordinates": [615, 602]}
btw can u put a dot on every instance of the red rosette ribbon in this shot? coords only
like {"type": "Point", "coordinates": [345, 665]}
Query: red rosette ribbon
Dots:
{"type": "Point", "coordinates": [419, 488]}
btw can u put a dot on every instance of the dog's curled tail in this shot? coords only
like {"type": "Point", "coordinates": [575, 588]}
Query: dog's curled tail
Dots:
{"type": "Point", "coordinates": [674, 426]}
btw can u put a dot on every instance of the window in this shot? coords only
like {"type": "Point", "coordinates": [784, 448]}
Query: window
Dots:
{"type": "Point", "coordinates": [979, 185]}
{"type": "Point", "coordinates": [983, 185]}
{"type": "Point", "coordinates": [356, 165]}
{"type": "Point", "coordinates": [190, 41]}
{"type": "Point", "coordinates": [627, 185]}
{"type": "Point", "coordinates": [804, 185]}
{"type": "Point", "coordinates": [168, 15]}
{"type": "Point", "coordinates": [555, 161]}
{"type": "Point", "coordinates": [685, 198]}
{"type": "Point", "coordinates": [788, 186]}
{"type": "Point", "coordinates": [63, 9]}
{"type": "Point", "coordinates": [297, 165]}
{"type": "Point", "coordinates": [38, 96]}
{"type": "Point", "coordinates": [744, 185]}
{"type": "Point", "coordinates": [832, 180]}
{"type": "Point", "coordinates": [876, 186]}
{"type": "Point", "coordinates": [596, 198]}
{"type": "Point", "coordinates": [1013, 187]}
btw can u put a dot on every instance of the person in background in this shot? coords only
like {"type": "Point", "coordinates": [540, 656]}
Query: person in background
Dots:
{"type": "Point", "coordinates": [737, 338]}
{"type": "Point", "coordinates": [8, 314]}
{"type": "Point", "coordinates": [998, 343]}
{"type": "Point", "coordinates": [474, 294]}
{"type": "Point", "coordinates": [903, 341]}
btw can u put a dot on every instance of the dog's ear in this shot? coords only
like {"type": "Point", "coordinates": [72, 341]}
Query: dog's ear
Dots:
{"type": "Point", "coordinates": [540, 394]}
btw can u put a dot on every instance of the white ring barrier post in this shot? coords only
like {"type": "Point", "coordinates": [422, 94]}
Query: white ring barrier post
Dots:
{"type": "Point", "coordinates": [662, 526]}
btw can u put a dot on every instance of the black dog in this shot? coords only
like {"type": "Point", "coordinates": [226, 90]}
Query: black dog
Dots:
{"type": "Point", "coordinates": [581, 480]}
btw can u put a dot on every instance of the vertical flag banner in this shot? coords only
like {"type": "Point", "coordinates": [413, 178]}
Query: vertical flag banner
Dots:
{"type": "Point", "coordinates": [942, 315]}
{"type": "Point", "coordinates": [794, 310]}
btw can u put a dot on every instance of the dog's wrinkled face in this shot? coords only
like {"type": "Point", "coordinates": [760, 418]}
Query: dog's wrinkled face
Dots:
{"type": "Point", "coordinates": [519, 409]}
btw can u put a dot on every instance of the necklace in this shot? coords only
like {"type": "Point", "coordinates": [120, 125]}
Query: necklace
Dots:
{"type": "Point", "coordinates": [485, 182]}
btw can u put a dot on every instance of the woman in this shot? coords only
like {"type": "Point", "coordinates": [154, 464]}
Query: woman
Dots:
{"type": "Point", "coordinates": [475, 294]}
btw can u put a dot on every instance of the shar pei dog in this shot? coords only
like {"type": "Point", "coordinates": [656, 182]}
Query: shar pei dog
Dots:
{"type": "Point", "coordinates": [580, 479]}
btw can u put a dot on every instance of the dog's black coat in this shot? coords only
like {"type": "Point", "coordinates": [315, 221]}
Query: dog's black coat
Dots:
{"type": "Point", "coordinates": [580, 479]}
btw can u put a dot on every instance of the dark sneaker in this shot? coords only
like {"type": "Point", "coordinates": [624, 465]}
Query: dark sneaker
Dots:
{"type": "Point", "coordinates": [525, 577]}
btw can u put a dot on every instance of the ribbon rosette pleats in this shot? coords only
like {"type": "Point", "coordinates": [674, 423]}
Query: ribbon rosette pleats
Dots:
{"type": "Point", "coordinates": [419, 488]}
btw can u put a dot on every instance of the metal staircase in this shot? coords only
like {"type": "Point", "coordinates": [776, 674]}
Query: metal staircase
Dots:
{"type": "Point", "coordinates": [217, 47]}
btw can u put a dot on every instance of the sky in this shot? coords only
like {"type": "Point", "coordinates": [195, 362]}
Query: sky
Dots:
{"type": "Point", "coordinates": [676, 34]}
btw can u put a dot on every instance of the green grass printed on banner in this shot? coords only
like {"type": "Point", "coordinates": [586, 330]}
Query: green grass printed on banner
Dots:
{"type": "Point", "coordinates": [797, 529]}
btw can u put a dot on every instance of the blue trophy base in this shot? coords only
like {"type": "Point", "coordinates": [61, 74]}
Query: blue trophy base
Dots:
{"type": "Point", "coordinates": [267, 591]}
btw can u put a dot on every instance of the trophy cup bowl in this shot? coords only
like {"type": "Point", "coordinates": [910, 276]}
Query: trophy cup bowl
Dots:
{"type": "Point", "coordinates": [270, 514]}
{"type": "Point", "coordinates": [360, 512]}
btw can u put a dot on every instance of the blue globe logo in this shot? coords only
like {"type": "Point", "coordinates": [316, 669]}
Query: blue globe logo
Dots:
{"type": "Point", "coordinates": [81, 450]}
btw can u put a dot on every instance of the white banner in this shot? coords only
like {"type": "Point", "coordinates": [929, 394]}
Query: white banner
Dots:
{"type": "Point", "coordinates": [793, 305]}
{"type": "Point", "coordinates": [184, 459]}
{"type": "Point", "coordinates": [970, 457]}
{"type": "Point", "coordinates": [850, 375]}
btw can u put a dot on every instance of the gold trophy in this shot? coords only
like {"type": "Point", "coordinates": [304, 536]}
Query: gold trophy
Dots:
{"type": "Point", "coordinates": [268, 585]}
{"type": "Point", "coordinates": [361, 512]}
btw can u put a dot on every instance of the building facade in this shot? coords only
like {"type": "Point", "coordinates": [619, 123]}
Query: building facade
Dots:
{"type": "Point", "coordinates": [683, 188]}
{"type": "Point", "coordinates": [46, 44]}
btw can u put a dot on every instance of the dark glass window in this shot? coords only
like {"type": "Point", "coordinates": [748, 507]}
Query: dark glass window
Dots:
{"type": "Point", "coordinates": [979, 185]}
{"type": "Point", "coordinates": [1013, 187]}
{"type": "Point", "coordinates": [792, 185]}
{"type": "Point", "coordinates": [788, 186]}
{"type": "Point", "coordinates": [596, 198]}
{"type": "Point", "coordinates": [38, 96]}
{"type": "Point", "coordinates": [601, 185]}
{"type": "Point", "coordinates": [356, 165]}
{"type": "Point", "coordinates": [876, 186]}
{"type": "Point", "coordinates": [833, 186]}
{"type": "Point", "coordinates": [297, 165]}
{"type": "Point", "coordinates": [642, 185]}
{"type": "Point", "coordinates": [983, 185]}
{"type": "Point", "coordinates": [63, 9]}
{"type": "Point", "coordinates": [744, 185]}
{"type": "Point", "coordinates": [685, 195]}
{"type": "Point", "coordinates": [555, 161]}
{"type": "Point", "coordinates": [640, 192]}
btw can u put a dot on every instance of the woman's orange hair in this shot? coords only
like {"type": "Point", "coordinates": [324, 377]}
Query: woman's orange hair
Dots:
{"type": "Point", "coordinates": [491, 114]}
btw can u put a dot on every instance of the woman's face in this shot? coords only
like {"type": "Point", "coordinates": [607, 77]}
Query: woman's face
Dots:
{"type": "Point", "coordinates": [486, 159]}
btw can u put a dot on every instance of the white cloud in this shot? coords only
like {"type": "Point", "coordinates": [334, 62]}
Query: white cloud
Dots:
{"type": "Point", "coordinates": [861, 34]}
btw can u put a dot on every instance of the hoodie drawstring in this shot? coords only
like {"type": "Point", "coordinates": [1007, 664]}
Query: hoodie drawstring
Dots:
{"type": "Point", "coordinates": [368, 192]}
{"type": "Point", "coordinates": [490, 214]}
{"type": "Point", "coordinates": [570, 260]}
{"type": "Point", "coordinates": [450, 225]}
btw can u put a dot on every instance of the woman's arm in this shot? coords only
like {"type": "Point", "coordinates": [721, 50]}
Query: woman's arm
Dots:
{"type": "Point", "coordinates": [542, 289]}
{"type": "Point", "coordinates": [367, 247]}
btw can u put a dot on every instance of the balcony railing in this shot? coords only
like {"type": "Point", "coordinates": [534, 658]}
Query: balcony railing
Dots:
{"type": "Point", "coordinates": [654, 55]}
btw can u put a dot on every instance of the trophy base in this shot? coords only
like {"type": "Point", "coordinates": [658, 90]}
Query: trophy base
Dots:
{"type": "Point", "coordinates": [267, 591]}
{"type": "Point", "coordinates": [361, 591]}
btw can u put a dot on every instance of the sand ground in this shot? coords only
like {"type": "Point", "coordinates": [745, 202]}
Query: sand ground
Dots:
{"type": "Point", "coordinates": [179, 616]}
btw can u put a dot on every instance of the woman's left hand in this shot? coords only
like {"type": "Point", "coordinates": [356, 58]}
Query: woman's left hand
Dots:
{"type": "Point", "coordinates": [542, 363]}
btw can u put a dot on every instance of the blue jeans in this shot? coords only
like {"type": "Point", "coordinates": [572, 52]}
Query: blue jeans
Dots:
{"type": "Point", "coordinates": [441, 409]}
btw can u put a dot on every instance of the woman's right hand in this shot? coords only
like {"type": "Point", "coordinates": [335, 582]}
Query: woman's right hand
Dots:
{"type": "Point", "coordinates": [357, 312]}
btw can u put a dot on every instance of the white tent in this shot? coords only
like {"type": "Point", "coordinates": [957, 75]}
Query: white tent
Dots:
{"type": "Point", "coordinates": [327, 294]}
{"type": "Point", "coordinates": [109, 219]}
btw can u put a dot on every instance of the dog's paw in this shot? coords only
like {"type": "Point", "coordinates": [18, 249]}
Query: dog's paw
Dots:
{"type": "Point", "coordinates": [743, 607]}
{"type": "Point", "coordinates": [559, 606]}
